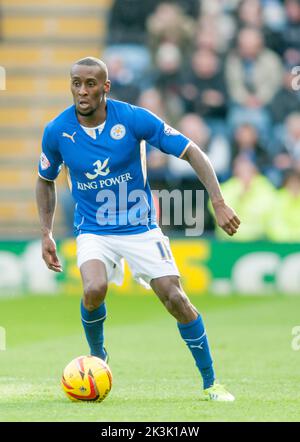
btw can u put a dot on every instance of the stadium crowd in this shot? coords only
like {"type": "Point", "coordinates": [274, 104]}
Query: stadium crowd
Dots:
{"type": "Point", "coordinates": [221, 73]}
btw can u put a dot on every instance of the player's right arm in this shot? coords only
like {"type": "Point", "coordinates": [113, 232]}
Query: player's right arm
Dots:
{"type": "Point", "coordinates": [49, 167]}
{"type": "Point", "coordinates": [46, 203]}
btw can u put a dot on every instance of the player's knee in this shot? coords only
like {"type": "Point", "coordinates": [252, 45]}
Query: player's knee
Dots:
{"type": "Point", "coordinates": [175, 300]}
{"type": "Point", "coordinates": [94, 294]}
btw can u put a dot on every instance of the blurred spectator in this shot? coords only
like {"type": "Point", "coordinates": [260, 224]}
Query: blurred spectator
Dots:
{"type": "Point", "coordinates": [291, 32]}
{"type": "Point", "coordinates": [251, 195]}
{"type": "Point", "coordinates": [182, 174]}
{"type": "Point", "coordinates": [127, 21]}
{"type": "Point", "coordinates": [285, 101]}
{"type": "Point", "coordinates": [170, 34]}
{"type": "Point", "coordinates": [204, 90]}
{"type": "Point", "coordinates": [274, 15]}
{"type": "Point", "coordinates": [284, 220]}
{"type": "Point", "coordinates": [250, 14]}
{"type": "Point", "coordinates": [216, 147]}
{"type": "Point", "coordinates": [214, 70]}
{"type": "Point", "coordinates": [253, 75]}
{"type": "Point", "coordinates": [157, 161]}
{"type": "Point", "coordinates": [207, 35]}
{"type": "Point", "coordinates": [167, 77]}
{"type": "Point", "coordinates": [288, 156]}
{"type": "Point", "coordinates": [169, 24]}
{"type": "Point", "coordinates": [246, 144]}
{"type": "Point", "coordinates": [123, 80]}
{"type": "Point", "coordinates": [267, 16]}
{"type": "Point", "coordinates": [189, 7]}
{"type": "Point", "coordinates": [132, 61]}
{"type": "Point", "coordinates": [219, 6]}
{"type": "Point", "coordinates": [214, 32]}
{"type": "Point", "coordinates": [152, 100]}
{"type": "Point", "coordinates": [168, 65]}
{"type": "Point", "coordinates": [157, 168]}
{"type": "Point", "coordinates": [274, 23]}
{"type": "Point", "coordinates": [127, 40]}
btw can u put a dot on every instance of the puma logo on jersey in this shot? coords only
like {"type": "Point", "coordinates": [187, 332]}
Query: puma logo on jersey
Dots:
{"type": "Point", "coordinates": [69, 136]}
{"type": "Point", "coordinates": [101, 169]}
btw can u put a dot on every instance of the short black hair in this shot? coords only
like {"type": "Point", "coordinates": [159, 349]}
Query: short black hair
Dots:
{"type": "Point", "coordinates": [93, 61]}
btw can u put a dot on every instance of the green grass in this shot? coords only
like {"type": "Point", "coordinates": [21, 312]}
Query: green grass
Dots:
{"type": "Point", "coordinates": [154, 377]}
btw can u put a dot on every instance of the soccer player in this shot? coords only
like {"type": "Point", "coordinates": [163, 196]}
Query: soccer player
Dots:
{"type": "Point", "coordinates": [102, 143]}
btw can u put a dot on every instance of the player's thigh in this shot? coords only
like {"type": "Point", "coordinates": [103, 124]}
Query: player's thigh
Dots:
{"type": "Point", "coordinates": [149, 256]}
{"type": "Point", "coordinates": [98, 261]}
{"type": "Point", "coordinates": [94, 277]}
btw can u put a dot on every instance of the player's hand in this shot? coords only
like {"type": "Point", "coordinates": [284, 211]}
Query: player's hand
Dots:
{"type": "Point", "coordinates": [226, 218]}
{"type": "Point", "coordinates": [49, 254]}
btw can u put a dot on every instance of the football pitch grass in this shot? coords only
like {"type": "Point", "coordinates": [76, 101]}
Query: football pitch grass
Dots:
{"type": "Point", "coordinates": [154, 377]}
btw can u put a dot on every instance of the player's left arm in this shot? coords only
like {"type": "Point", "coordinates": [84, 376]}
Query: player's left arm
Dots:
{"type": "Point", "coordinates": [157, 133]}
{"type": "Point", "coordinates": [226, 217]}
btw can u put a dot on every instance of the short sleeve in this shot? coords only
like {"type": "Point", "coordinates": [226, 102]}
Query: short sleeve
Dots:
{"type": "Point", "coordinates": [50, 159]}
{"type": "Point", "coordinates": [156, 132]}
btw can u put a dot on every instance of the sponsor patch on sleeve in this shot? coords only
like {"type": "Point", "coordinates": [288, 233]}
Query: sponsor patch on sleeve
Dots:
{"type": "Point", "coordinates": [168, 130]}
{"type": "Point", "coordinates": [45, 163]}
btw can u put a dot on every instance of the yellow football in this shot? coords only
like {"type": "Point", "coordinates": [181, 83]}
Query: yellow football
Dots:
{"type": "Point", "coordinates": [87, 378]}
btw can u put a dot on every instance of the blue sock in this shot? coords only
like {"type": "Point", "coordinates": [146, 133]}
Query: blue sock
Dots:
{"type": "Point", "coordinates": [195, 338]}
{"type": "Point", "coordinates": [93, 326]}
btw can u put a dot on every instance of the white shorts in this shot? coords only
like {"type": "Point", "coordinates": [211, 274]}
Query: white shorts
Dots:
{"type": "Point", "coordinates": [148, 255]}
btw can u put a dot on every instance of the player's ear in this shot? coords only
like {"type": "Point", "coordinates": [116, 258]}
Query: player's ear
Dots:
{"type": "Point", "coordinates": [107, 85]}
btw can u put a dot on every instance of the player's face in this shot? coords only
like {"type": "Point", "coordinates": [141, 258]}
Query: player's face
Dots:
{"type": "Point", "coordinates": [89, 86]}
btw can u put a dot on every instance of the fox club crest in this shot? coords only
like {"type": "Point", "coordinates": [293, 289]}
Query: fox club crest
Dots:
{"type": "Point", "coordinates": [118, 132]}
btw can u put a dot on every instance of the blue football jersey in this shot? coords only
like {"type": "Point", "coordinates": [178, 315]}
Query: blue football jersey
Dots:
{"type": "Point", "coordinates": [108, 175]}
